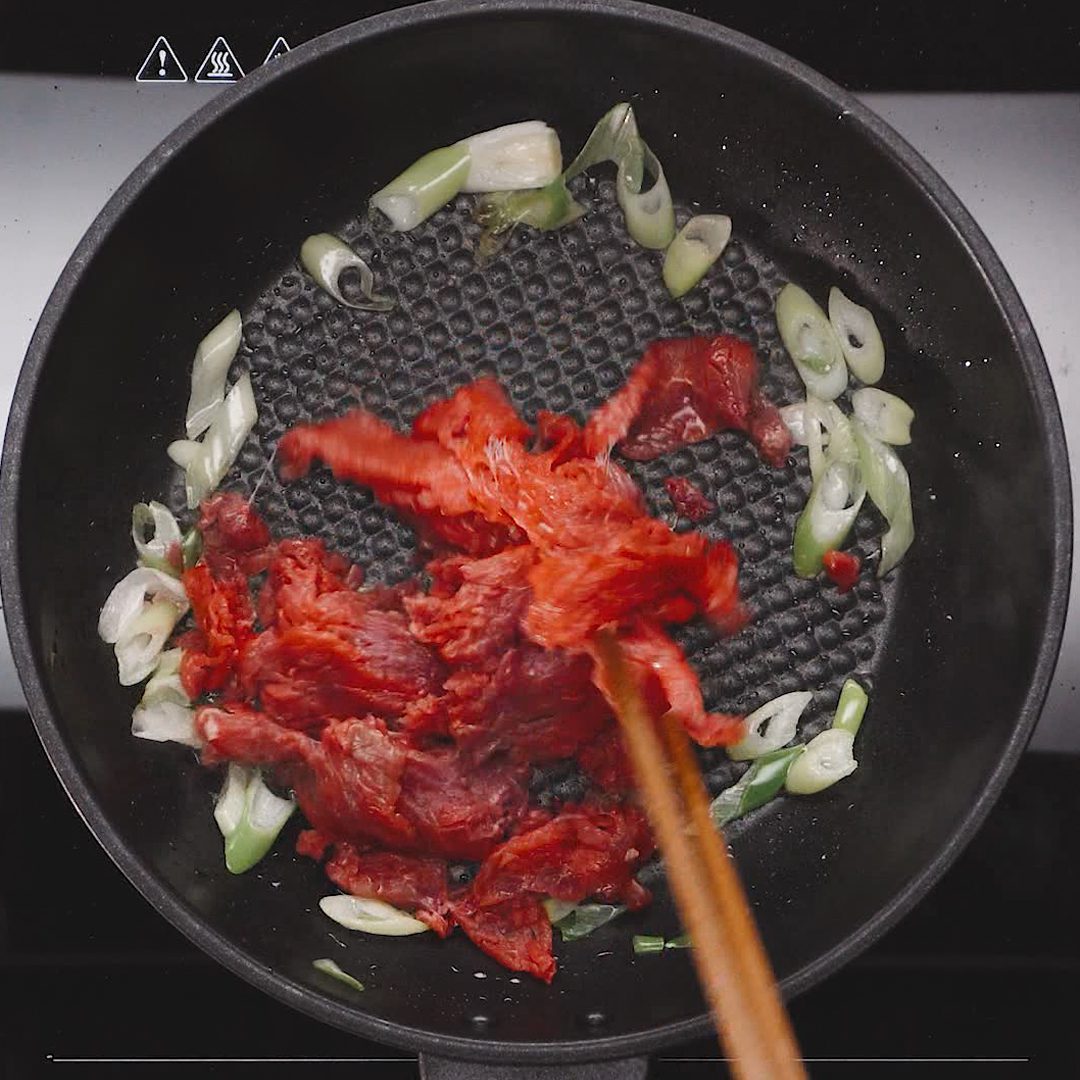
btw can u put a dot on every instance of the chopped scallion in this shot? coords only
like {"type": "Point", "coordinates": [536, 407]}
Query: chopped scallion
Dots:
{"type": "Point", "coordinates": [250, 816]}
{"type": "Point", "coordinates": [648, 943]}
{"type": "Point", "coordinates": [828, 757]}
{"type": "Point", "coordinates": [851, 707]}
{"type": "Point", "coordinates": [427, 185]}
{"type": "Point", "coordinates": [697, 245]}
{"type": "Point", "coordinates": [771, 726]}
{"type": "Point", "coordinates": [858, 335]}
{"type": "Point", "coordinates": [215, 353]}
{"type": "Point", "coordinates": [585, 918]}
{"type": "Point", "coordinates": [329, 967]}
{"type": "Point", "coordinates": [755, 787]}
{"type": "Point", "coordinates": [326, 258]}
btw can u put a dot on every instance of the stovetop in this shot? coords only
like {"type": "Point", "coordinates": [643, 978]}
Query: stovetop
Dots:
{"type": "Point", "coordinates": [981, 979]}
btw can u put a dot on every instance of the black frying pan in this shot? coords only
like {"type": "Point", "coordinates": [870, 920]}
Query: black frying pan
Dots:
{"type": "Point", "coordinates": [958, 647]}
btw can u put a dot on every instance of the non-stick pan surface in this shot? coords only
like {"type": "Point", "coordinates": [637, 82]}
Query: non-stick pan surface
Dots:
{"type": "Point", "coordinates": [957, 647]}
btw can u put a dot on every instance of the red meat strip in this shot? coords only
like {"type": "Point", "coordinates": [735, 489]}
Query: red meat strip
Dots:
{"type": "Point", "coordinates": [583, 851]}
{"type": "Point", "coordinates": [347, 783]}
{"type": "Point", "coordinates": [688, 499]}
{"type": "Point", "coordinates": [412, 882]}
{"type": "Point", "coordinates": [225, 621]}
{"type": "Point", "coordinates": [652, 651]}
{"type": "Point", "coordinates": [516, 933]}
{"type": "Point", "coordinates": [640, 568]}
{"type": "Point", "coordinates": [682, 391]}
{"type": "Point", "coordinates": [534, 705]}
{"type": "Point", "coordinates": [458, 808]}
{"type": "Point", "coordinates": [605, 763]}
{"type": "Point", "coordinates": [301, 675]}
{"type": "Point", "coordinates": [418, 477]}
{"type": "Point", "coordinates": [233, 534]}
{"type": "Point", "coordinates": [475, 607]}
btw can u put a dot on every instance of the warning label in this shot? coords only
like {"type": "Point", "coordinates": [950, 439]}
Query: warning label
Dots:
{"type": "Point", "coordinates": [161, 65]}
{"type": "Point", "coordinates": [220, 65]}
{"type": "Point", "coordinates": [279, 48]}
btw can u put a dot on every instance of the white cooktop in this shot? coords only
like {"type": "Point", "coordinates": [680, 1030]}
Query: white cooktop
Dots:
{"type": "Point", "coordinates": [67, 143]}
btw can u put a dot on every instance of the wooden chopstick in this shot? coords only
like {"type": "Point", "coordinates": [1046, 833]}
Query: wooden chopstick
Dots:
{"type": "Point", "coordinates": [731, 962]}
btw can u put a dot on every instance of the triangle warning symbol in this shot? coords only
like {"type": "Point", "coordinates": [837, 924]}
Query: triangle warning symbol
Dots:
{"type": "Point", "coordinates": [161, 65]}
{"type": "Point", "coordinates": [220, 65]}
{"type": "Point", "coordinates": [279, 48]}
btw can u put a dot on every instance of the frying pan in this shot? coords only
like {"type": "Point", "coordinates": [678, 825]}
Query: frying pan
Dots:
{"type": "Point", "coordinates": [958, 646]}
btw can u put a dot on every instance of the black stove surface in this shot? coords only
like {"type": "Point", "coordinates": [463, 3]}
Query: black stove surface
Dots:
{"type": "Point", "coordinates": [982, 979]}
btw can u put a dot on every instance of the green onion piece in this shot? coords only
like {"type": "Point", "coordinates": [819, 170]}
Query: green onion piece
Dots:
{"type": "Point", "coordinates": [513, 158]}
{"type": "Point", "coordinates": [557, 909]}
{"type": "Point", "coordinates": [755, 787]}
{"type": "Point", "coordinates": [326, 258]}
{"type": "Point", "coordinates": [370, 916]}
{"type": "Point", "coordinates": [697, 245]}
{"type": "Point", "coordinates": [681, 942]}
{"type": "Point", "coordinates": [191, 547]}
{"type": "Point", "coordinates": [498, 214]}
{"type": "Point", "coordinates": [232, 422]}
{"type": "Point", "coordinates": [827, 758]}
{"type": "Point", "coordinates": [585, 918]}
{"type": "Point", "coordinates": [153, 551]}
{"type": "Point", "coordinates": [128, 600]}
{"type": "Point", "coordinates": [884, 415]}
{"type": "Point", "coordinates": [250, 816]}
{"type": "Point", "coordinates": [650, 214]}
{"type": "Point", "coordinates": [139, 647]}
{"type": "Point", "coordinates": [859, 338]}
{"type": "Point", "coordinates": [812, 343]}
{"type": "Point", "coordinates": [427, 185]}
{"type": "Point", "coordinates": [771, 726]}
{"type": "Point", "coordinates": [165, 721]}
{"type": "Point", "coordinates": [889, 488]}
{"type": "Point", "coordinates": [328, 967]}
{"type": "Point", "coordinates": [183, 452]}
{"type": "Point", "coordinates": [834, 503]}
{"type": "Point", "coordinates": [215, 353]}
{"type": "Point", "coordinates": [613, 138]}
{"type": "Point", "coordinates": [851, 707]}
{"type": "Point", "coordinates": [648, 943]}
{"type": "Point", "coordinates": [164, 684]}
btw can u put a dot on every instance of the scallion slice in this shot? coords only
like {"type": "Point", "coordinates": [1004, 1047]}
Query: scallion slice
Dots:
{"type": "Point", "coordinates": [129, 596]}
{"type": "Point", "coordinates": [165, 684]}
{"type": "Point", "coordinates": [558, 909]}
{"type": "Point", "coordinates": [889, 488]}
{"type": "Point", "coordinates": [230, 427]}
{"type": "Point", "coordinates": [498, 214]}
{"type": "Point", "coordinates": [326, 258]}
{"type": "Point", "coordinates": [647, 943]}
{"type": "Point", "coordinates": [139, 647]}
{"type": "Point", "coordinates": [250, 816]}
{"type": "Point", "coordinates": [330, 967]}
{"type": "Point", "coordinates": [370, 916]}
{"type": "Point", "coordinates": [427, 185]}
{"type": "Point", "coordinates": [812, 343]}
{"type": "Point", "coordinates": [154, 551]}
{"type": "Point", "coordinates": [755, 787]}
{"type": "Point", "coordinates": [215, 353]}
{"type": "Point", "coordinates": [851, 707]}
{"type": "Point", "coordinates": [585, 918]}
{"type": "Point", "coordinates": [771, 726]}
{"type": "Point", "coordinates": [682, 941]}
{"type": "Point", "coordinates": [512, 158]}
{"type": "Point", "coordinates": [835, 500]}
{"type": "Point", "coordinates": [183, 452]}
{"type": "Point", "coordinates": [858, 334]}
{"type": "Point", "coordinates": [828, 758]}
{"type": "Point", "coordinates": [649, 213]}
{"type": "Point", "coordinates": [697, 245]}
{"type": "Point", "coordinates": [165, 721]}
{"type": "Point", "coordinates": [884, 415]}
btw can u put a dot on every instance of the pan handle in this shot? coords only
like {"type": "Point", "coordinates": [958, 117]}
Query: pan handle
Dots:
{"type": "Point", "coordinates": [437, 1068]}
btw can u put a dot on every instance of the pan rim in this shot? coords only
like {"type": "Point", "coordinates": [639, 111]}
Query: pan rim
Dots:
{"type": "Point", "coordinates": [886, 141]}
